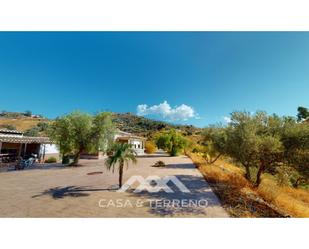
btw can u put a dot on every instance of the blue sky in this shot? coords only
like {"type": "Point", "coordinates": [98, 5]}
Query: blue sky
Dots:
{"type": "Point", "coordinates": [183, 77]}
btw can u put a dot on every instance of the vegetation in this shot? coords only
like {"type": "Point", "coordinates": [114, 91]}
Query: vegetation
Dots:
{"type": "Point", "coordinates": [28, 113]}
{"type": "Point", "coordinates": [255, 162]}
{"type": "Point", "coordinates": [43, 126]}
{"type": "Point", "coordinates": [6, 114]}
{"type": "Point", "coordinates": [150, 147]}
{"type": "Point", "coordinates": [241, 199]}
{"type": "Point", "coordinates": [120, 154]}
{"type": "Point", "coordinates": [80, 132]}
{"type": "Point", "coordinates": [8, 127]}
{"type": "Point", "coordinates": [258, 164]}
{"type": "Point", "coordinates": [22, 124]}
{"type": "Point", "coordinates": [303, 113]}
{"type": "Point", "coordinates": [295, 139]}
{"type": "Point", "coordinates": [147, 127]}
{"type": "Point", "coordinates": [159, 164]}
{"type": "Point", "coordinates": [172, 142]}
{"type": "Point", "coordinates": [127, 122]}
{"type": "Point", "coordinates": [40, 129]}
{"type": "Point", "coordinates": [262, 143]}
{"type": "Point", "coordinates": [51, 160]}
{"type": "Point", "coordinates": [17, 115]}
{"type": "Point", "coordinates": [214, 144]}
{"type": "Point", "coordinates": [32, 132]}
{"type": "Point", "coordinates": [232, 188]}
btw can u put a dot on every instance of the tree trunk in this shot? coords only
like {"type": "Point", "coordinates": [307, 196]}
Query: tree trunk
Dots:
{"type": "Point", "coordinates": [214, 160]}
{"type": "Point", "coordinates": [247, 175]}
{"type": "Point", "coordinates": [260, 171]}
{"type": "Point", "coordinates": [76, 158]}
{"type": "Point", "coordinates": [298, 181]}
{"type": "Point", "coordinates": [120, 174]}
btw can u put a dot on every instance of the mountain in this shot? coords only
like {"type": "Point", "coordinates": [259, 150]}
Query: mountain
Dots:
{"type": "Point", "coordinates": [142, 126]}
{"type": "Point", "coordinates": [129, 122]}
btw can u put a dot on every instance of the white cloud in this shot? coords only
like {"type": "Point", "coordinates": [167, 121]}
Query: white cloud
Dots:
{"type": "Point", "coordinates": [227, 119]}
{"type": "Point", "coordinates": [178, 113]}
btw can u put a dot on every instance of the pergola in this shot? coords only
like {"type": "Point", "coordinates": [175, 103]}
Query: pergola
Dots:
{"type": "Point", "coordinates": [23, 142]}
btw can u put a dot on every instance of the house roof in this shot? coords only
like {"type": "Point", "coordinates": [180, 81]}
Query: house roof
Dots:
{"type": "Point", "coordinates": [7, 131]}
{"type": "Point", "coordinates": [130, 137]}
{"type": "Point", "coordinates": [127, 135]}
{"type": "Point", "coordinates": [25, 139]}
{"type": "Point", "coordinates": [45, 140]}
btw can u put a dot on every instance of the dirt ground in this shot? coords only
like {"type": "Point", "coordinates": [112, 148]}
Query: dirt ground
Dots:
{"type": "Point", "coordinates": [90, 190]}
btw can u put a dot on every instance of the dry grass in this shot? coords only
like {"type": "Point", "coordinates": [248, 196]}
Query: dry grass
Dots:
{"type": "Point", "coordinates": [21, 124]}
{"type": "Point", "coordinates": [294, 202]}
{"type": "Point", "coordinates": [241, 199]}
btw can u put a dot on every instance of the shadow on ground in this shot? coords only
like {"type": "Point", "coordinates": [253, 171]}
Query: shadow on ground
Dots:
{"type": "Point", "coordinates": [199, 191]}
{"type": "Point", "coordinates": [179, 166]}
{"type": "Point", "coordinates": [34, 167]}
{"type": "Point", "coordinates": [71, 191]}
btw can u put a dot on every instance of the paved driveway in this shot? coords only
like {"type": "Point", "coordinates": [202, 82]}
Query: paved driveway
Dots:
{"type": "Point", "coordinates": [89, 191]}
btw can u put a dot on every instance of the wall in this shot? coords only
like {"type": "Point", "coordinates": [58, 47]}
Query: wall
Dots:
{"type": "Point", "coordinates": [51, 150]}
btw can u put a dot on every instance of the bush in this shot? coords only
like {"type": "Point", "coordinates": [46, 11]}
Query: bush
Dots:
{"type": "Point", "coordinates": [28, 113]}
{"type": "Point", "coordinates": [32, 132]}
{"type": "Point", "coordinates": [150, 147]}
{"type": "Point", "coordinates": [8, 127]}
{"type": "Point", "coordinates": [51, 160]}
{"type": "Point", "coordinates": [172, 142]}
{"type": "Point", "coordinates": [284, 175]}
{"type": "Point", "coordinates": [43, 126]}
{"type": "Point", "coordinates": [195, 150]}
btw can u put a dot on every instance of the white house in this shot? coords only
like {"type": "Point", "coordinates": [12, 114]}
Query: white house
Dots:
{"type": "Point", "coordinates": [13, 144]}
{"type": "Point", "coordinates": [138, 143]}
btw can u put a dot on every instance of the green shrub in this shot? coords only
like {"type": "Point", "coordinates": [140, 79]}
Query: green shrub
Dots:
{"type": "Point", "coordinates": [8, 127]}
{"type": "Point", "coordinates": [43, 126]}
{"type": "Point", "coordinates": [28, 113]}
{"type": "Point", "coordinates": [32, 132]}
{"type": "Point", "coordinates": [51, 160]}
{"type": "Point", "coordinates": [172, 142]}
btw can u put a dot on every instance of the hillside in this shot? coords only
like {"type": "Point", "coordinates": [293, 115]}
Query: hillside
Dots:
{"type": "Point", "coordinates": [128, 122]}
{"type": "Point", "coordinates": [21, 124]}
{"type": "Point", "coordinates": [138, 125]}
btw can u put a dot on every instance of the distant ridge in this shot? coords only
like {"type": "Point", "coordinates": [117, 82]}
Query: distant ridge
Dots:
{"type": "Point", "coordinates": [132, 123]}
{"type": "Point", "coordinates": [127, 122]}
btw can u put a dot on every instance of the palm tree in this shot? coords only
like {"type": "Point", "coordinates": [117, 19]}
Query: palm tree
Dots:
{"type": "Point", "coordinates": [122, 154]}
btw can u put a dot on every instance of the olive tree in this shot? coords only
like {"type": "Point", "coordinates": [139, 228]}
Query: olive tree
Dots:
{"type": "Point", "coordinates": [80, 132]}
{"type": "Point", "coordinates": [251, 140]}
{"type": "Point", "coordinates": [242, 140]}
{"type": "Point", "coordinates": [263, 143]}
{"type": "Point", "coordinates": [172, 142]}
{"type": "Point", "coordinates": [303, 113]}
{"type": "Point", "coordinates": [295, 138]}
{"type": "Point", "coordinates": [214, 141]}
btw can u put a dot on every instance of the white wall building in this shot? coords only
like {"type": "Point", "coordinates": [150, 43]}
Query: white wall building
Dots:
{"type": "Point", "coordinates": [138, 143]}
